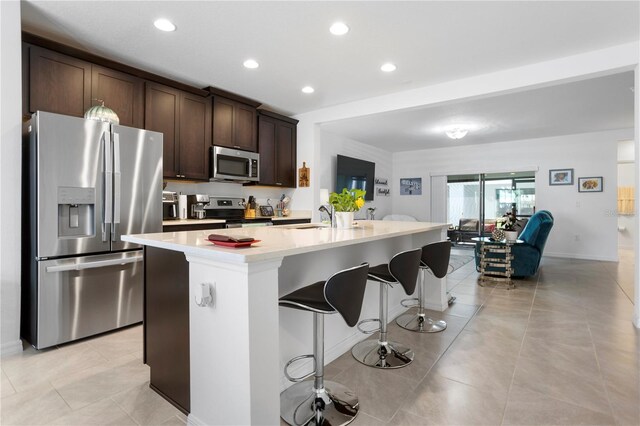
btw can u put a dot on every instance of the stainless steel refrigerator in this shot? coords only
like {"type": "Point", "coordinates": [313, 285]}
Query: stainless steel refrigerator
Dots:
{"type": "Point", "coordinates": [85, 183]}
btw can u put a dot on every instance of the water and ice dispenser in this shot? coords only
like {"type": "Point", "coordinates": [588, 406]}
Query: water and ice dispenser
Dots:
{"type": "Point", "coordinates": [76, 212]}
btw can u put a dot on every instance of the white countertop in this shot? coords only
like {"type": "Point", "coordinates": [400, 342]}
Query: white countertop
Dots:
{"type": "Point", "coordinates": [280, 241]}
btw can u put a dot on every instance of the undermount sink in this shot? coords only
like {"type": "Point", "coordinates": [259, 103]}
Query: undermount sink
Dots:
{"type": "Point", "coordinates": [310, 226]}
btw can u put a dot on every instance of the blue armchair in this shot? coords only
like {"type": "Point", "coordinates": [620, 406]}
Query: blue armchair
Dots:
{"type": "Point", "coordinates": [526, 256]}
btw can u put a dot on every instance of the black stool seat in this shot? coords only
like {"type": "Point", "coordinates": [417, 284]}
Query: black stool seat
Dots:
{"type": "Point", "coordinates": [381, 272]}
{"type": "Point", "coordinates": [309, 298]}
{"type": "Point", "coordinates": [435, 259]}
{"type": "Point", "coordinates": [402, 269]}
{"type": "Point", "coordinates": [319, 402]}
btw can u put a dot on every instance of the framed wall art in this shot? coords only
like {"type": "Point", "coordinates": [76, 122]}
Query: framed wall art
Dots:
{"type": "Point", "coordinates": [590, 184]}
{"type": "Point", "coordinates": [561, 177]}
{"type": "Point", "coordinates": [411, 186]}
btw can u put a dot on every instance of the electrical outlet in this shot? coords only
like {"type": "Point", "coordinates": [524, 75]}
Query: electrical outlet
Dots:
{"type": "Point", "coordinates": [576, 237]}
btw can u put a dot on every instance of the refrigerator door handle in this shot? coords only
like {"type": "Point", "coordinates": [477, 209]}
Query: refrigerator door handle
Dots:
{"type": "Point", "coordinates": [116, 186]}
{"type": "Point", "coordinates": [93, 265]}
{"type": "Point", "coordinates": [108, 185]}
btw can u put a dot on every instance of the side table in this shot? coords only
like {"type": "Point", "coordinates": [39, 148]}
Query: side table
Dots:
{"type": "Point", "coordinates": [495, 261]}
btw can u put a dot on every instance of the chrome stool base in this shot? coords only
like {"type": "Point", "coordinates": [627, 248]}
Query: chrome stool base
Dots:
{"type": "Point", "coordinates": [388, 355]}
{"type": "Point", "coordinates": [420, 323]}
{"type": "Point", "coordinates": [336, 404]}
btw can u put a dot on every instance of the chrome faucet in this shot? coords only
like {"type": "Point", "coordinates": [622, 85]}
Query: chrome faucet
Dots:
{"type": "Point", "coordinates": [329, 213]}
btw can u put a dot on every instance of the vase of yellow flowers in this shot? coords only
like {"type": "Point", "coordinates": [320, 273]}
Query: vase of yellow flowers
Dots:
{"type": "Point", "coordinates": [345, 204]}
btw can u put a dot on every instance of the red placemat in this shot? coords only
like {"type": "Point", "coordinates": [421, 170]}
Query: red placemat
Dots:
{"type": "Point", "coordinates": [234, 244]}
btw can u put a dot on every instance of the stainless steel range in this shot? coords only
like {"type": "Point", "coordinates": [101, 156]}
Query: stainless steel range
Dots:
{"type": "Point", "coordinates": [232, 211]}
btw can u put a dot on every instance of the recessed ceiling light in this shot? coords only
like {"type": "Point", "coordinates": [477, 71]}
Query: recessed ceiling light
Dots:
{"type": "Point", "coordinates": [251, 63]}
{"type": "Point", "coordinates": [339, 28]}
{"type": "Point", "coordinates": [164, 25]}
{"type": "Point", "coordinates": [457, 132]}
{"type": "Point", "coordinates": [308, 89]}
{"type": "Point", "coordinates": [388, 67]}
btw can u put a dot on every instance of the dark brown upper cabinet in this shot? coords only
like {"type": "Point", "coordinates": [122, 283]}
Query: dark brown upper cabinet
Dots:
{"type": "Point", "coordinates": [58, 83]}
{"type": "Point", "coordinates": [69, 86]}
{"type": "Point", "coordinates": [121, 92]}
{"type": "Point", "coordinates": [277, 144]}
{"type": "Point", "coordinates": [235, 120]}
{"type": "Point", "coordinates": [234, 124]}
{"type": "Point", "coordinates": [185, 121]}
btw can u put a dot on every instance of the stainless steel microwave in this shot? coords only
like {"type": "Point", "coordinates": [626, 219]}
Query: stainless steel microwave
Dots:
{"type": "Point", "coordinates": [234, 165]}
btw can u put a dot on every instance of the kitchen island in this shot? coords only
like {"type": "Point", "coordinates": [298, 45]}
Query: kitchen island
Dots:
{"type": "Point", "coordinates": [239, 342]}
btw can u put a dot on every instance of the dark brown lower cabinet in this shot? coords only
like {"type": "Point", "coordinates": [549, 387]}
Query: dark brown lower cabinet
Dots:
{"type": "Point", "coordinates": [166, 324]}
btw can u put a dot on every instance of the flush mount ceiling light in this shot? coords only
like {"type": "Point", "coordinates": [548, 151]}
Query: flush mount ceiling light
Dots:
{"type": "Point", "coordinates": [388, 67]}
{"type": "Point", "coordinates": [251, 64]}
{"type": "Point", "coordinates": [339, 28]}
{"type": "Point", "coordinates": [457, 132]}
{"type": "Point", "coordinates": [164, 25]}
{"type": "Point", "coordinates": [308, 89]}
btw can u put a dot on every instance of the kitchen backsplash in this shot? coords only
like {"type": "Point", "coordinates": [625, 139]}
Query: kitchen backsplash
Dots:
{"type": "Point", "coordinates": [219, 189]}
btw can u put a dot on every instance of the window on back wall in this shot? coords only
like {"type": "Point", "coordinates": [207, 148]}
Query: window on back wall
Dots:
{"type": "Point", "coordinates": [626, 200]}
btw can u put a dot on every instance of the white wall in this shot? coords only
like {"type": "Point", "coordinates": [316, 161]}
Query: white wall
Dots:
{"type": "Point", "coordinates": [331, 145]}
{"type": "Point", "coordinates": [10, 157]}
{"type": "Point", "coordinates": [589, 216]}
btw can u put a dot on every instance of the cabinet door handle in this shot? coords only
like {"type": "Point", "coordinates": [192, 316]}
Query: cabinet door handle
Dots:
{"type": "Point", "coordinates": [236, 146]}
{"type": "Point", "coordinates": [278, 183]}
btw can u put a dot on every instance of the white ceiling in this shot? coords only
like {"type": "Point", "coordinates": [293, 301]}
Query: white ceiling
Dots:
{"type": "Point", "coordinates": [430, 42]}
{"type": "Point", "coordinates": [597, 104]}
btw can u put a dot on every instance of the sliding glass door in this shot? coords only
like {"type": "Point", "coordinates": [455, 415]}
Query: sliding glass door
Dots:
{"type": "Point", "coordinates": [477, 203]}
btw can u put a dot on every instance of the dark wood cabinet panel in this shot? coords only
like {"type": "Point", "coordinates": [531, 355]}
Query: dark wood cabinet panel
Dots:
{"type": "Point", "coordinates": [185, 121]}
{"type": "Point", "coordinates": [245, 127]}
{"type": "Point", "coordinates": [192, 227]}
{"type": "Point", "coordinates": [166, 325]}
{"type": "Point", "coordinates": [267, 149]}
{"type": "Point", "coordinates": [58, 83]}
{"type": "Point", "coordinates": [161, 115]}
{"type": "Point", "coordinates": [234, 124]}
{"type": "Point", "coordinates": [195, 136]}
{"type": "Point", "coordinates": [223, 122]}
{"type": "Point", "coordinates": [121, 92]}
{"type": "Point", "coordinates": [277, 145]}
{"type": "Point", "coordinates": [286, 155]}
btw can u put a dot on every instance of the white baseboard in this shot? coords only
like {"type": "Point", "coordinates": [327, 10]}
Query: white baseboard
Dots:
{"type": "Point", "coordinates": [636, 319]}
{"type": "Point", "coordinates": [582, 256]}
{"type": "Point", "coordinates": [332, 353]}
{"type": "Point", "coordinates": [11, 348]}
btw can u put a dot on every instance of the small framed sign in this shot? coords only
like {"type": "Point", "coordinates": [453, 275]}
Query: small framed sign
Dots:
{"type": "Point", "coordinates": [561, 177]}
{"type": "Point", "coordinates": [590, 184]}
{"type": "Point", "coordinates": [266, 211]}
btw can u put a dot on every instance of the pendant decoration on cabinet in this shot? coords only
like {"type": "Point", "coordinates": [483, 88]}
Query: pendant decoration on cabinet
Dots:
{"type": "Point", "coordinates": [303, 175]}
{"type": "Point", "coordinates": [102, 113]}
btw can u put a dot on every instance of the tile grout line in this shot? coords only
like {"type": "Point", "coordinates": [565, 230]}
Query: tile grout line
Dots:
{"type": "Point", "coordinates": [123, 410]}
{"type": "Point", "coordinates": [513, 375]}
{"type": "Point", "coordinates": [602, 377]}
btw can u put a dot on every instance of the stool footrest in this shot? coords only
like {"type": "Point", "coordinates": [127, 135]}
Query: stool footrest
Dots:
{"type": "Point", "coordinates": [364, 321]}
{"type": "Point", "coordinates": [299, 358]}
{"type": "Point", "coordinates": [405, 302]}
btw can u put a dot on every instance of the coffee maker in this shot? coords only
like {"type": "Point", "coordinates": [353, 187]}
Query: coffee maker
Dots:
{"type": "Point", "coordinates": [195, 205]}
{"type": "Point", "coordinates": [169, 205]}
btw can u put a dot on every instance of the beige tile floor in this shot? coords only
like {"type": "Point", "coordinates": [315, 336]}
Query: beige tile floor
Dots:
{"type": "Point", "coordinates": [558, 349]}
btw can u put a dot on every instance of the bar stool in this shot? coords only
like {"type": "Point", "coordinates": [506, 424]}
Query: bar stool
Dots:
{"type": "Point", "coordinates": [402, 269]}
{"type": "Point", "coordinates": [435, 259]}
{"type": "Point", "coordinates": [317, 401]}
